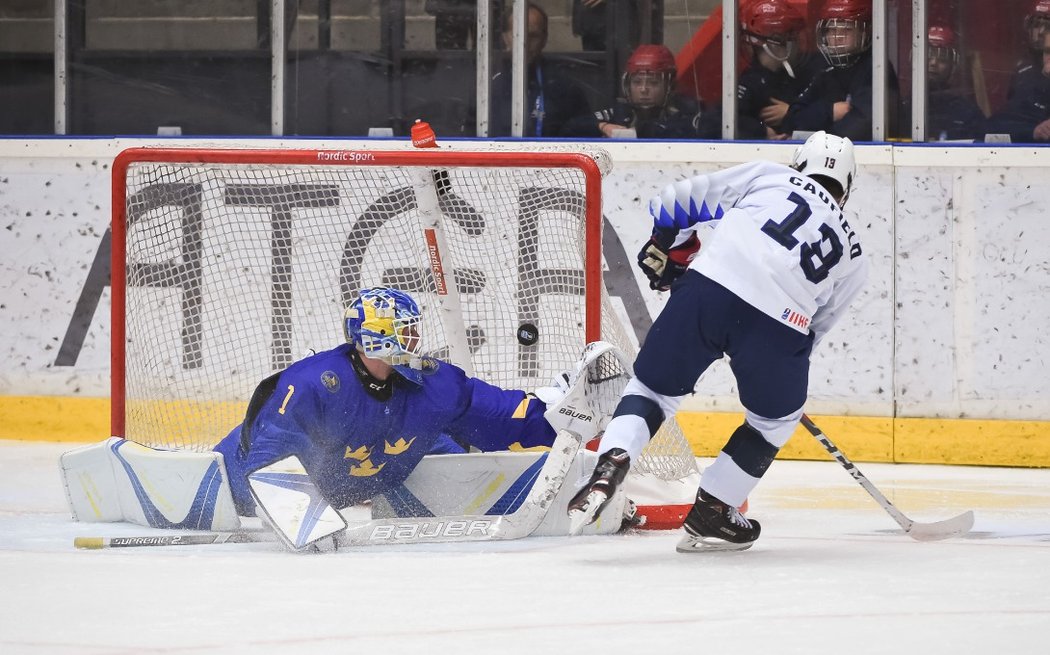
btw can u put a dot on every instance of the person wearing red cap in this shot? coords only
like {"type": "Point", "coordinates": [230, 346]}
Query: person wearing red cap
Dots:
{"type": "Point", "coordinates": [951, 112]}
{"type": "Point", "coordinates": [649, 105]}
{"type": "Point", "coordinates": [779, 70]}
{"type": "Point", "coordinates": [839, 99]}
{"type": "Point", "coordinates": [1036, 25]}
{"type": "Point", "coordinates": [1026, 116]}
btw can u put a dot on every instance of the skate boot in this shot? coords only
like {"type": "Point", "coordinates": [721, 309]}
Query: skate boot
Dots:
{"type": "Point", "coordinates": [587, 504]}
{"type": "Point", "coordinates": [714, 525]}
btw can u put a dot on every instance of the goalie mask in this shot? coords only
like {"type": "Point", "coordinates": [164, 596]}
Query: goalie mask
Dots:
{"type": "Point", "coordinates": [828, 156]}
{"type": "Point", "coordinates": [383, 323]}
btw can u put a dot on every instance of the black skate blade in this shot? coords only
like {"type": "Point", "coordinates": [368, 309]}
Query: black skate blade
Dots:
{"type": "Point", "coordinates": [693, 544]}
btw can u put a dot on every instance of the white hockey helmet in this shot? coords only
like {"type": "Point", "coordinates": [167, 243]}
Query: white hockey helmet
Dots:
{"type": "Point", "coordinates": [830, 156]}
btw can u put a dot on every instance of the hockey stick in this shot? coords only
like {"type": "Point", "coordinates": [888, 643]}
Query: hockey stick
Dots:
{"type": "Point", "coordinates": [196, 539]}
{"type": "Point", "coordinates": [953, 527]}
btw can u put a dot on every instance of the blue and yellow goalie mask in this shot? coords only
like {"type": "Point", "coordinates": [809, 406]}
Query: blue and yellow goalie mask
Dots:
{"type": "Point", "coordinates": [384, 324]}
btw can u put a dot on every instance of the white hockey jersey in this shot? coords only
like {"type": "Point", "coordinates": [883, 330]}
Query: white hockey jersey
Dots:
{"type": "Point", "coordinates": [780, 243]}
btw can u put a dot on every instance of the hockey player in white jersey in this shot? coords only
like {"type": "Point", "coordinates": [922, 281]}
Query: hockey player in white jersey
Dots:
{"type": "Point", "coordinates": [779, 270]}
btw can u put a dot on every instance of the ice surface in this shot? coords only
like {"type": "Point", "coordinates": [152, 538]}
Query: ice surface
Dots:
{"type": "Point", "coordinates": [832, 573]}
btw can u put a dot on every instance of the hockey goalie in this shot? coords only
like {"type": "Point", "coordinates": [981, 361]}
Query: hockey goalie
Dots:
{"type": "Point", "coordinates": [372, 442]}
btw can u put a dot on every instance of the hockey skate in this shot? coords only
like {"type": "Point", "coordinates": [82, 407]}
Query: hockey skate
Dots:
{"type": "Point", "coordinates": [714, 525]}
{"type": "Point", "coordinates": [590, 500]}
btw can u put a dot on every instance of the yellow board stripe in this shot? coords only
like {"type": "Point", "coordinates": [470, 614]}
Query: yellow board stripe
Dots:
{"type": "Point", "coordinates": [862, 438]}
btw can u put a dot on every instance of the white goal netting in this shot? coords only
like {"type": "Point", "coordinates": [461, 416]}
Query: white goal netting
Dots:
{"type": "Point", "coordinates": [230, 265]}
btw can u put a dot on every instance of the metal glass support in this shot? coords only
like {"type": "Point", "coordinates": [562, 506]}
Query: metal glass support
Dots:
{"type": "Point", "coordinates": [517, 94]}
{"type": "Point", "coordinates": [61, 68]}
{"type": "Point", "coordinates": [278, 60]}
{"type": "Point", "coordinates": [878, 71]}
{"type": "Point", "coordinates": [483, 65]}
{"type": "Point", "coordinates": [918, 70]}
{"type": "Point", "coordinates": [729, 59]}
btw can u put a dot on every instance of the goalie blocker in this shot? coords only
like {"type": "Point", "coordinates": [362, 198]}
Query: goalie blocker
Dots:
{"type": "Point", "coordinates": [447, 498]}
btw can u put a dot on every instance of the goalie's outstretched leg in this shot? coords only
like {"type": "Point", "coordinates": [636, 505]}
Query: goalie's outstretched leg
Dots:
{"type": "Point", "coordinates": [589, 501]}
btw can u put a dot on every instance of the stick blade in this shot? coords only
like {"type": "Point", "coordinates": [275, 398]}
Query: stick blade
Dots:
{"type": "Point", "coordinates": [939, 530]}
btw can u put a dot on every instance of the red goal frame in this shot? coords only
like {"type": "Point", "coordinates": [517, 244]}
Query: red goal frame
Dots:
{"type": "Point", "coordinates": [432, 158]}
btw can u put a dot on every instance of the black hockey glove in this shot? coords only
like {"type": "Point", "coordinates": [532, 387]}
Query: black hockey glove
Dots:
{"type": "Point", "coordinates": [663, 264]}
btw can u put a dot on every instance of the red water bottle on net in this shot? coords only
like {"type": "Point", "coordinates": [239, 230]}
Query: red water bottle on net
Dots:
{"type": "Point", "coordinates": [423, 135]}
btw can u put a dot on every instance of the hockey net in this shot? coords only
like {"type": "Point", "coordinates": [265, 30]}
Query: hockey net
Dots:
{"type": "Point", "coordinates": [229, 265]}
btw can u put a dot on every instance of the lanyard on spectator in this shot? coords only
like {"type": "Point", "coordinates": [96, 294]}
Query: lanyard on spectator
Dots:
{"type": "Point", "coordinates": [539, 101]}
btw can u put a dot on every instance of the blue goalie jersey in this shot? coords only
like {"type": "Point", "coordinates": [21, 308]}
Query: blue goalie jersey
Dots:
{"type": "Point", "coordinates": [355, 445]}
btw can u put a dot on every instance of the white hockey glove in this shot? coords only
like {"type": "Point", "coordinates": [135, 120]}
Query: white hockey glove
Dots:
{"type": "Point", "coordinates": [552, 394]}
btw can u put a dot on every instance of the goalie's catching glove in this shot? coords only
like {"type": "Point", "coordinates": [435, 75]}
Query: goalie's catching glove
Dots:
{"type": "Point", "coordinates": [661, 262]}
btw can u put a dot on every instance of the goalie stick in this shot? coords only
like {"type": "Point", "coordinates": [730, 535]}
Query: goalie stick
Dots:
{"type": "Point", "coordinates": [936, 531]}
{"type": "Point", "coordinates": [194, 539]}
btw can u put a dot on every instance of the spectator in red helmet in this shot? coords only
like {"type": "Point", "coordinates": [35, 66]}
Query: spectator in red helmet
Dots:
{"type": "Point", "coordinates": [1026, 116]}
{"type": "Point", "coordinates": [839, 99]}
{"type": "Point", "coordinates": [778, 72]}
{"type": "Point", "coordinates": [649, 105]}
{"type": "Point", "coordinates": [1036, 24]}
{"type": "Point", "coordinates": [951, 112]}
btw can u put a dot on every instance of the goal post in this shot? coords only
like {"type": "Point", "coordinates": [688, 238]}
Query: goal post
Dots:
{"type": "Point", "coordinates": [230, 264]}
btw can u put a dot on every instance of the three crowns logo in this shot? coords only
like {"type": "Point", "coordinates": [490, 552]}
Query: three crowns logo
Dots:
{"type": "Point", "coordinates": [398, 446]}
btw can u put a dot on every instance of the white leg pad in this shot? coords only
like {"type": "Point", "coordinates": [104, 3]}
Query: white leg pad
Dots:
{"type": "Point", "coordinates": [492, 483]}
{"type": "Point", "coordinates": [120, 480]}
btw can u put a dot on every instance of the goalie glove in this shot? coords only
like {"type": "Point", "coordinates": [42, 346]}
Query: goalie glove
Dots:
{"type": "Point", "coordinates": [663, 262]}
{"type": "Point", "coordinates": [559, 386]}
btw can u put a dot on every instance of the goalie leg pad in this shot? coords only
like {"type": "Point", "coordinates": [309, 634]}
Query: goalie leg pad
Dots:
{"type": "Point", "coordinates": [120, 480]}
{"type": "Point", "coordinates": [491, 484]}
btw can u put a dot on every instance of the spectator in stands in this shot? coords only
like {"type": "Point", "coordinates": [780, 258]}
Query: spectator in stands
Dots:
{"type": "Point", "coordinates": [1026, 117]}
{"type": "Point", "coordinates": [1036, 24]}
{"type": "Point", "coordinates": [649, 105]}
{"type": "Point", "coordinates": [778, 72]}
{"type": "Point", "coordinates": [951, 113]}
{"type": "Point", "coordinates": [839, 99]}
{"type": "Point", "coordinates": [551, 99]}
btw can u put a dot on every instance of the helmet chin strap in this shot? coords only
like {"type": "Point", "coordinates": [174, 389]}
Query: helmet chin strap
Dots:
{"type": "Point", "coordinates": [785, 61]}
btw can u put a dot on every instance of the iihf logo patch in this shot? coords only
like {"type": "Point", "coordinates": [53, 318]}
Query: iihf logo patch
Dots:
{"type": "Point", "coordinates": [330, 381]}
{"type": "Point", "coordinates": [795, 318]}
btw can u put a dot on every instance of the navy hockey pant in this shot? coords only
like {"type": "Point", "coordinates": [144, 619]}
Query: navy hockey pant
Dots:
{"type": "Point", "coordinates": [702, 321]}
